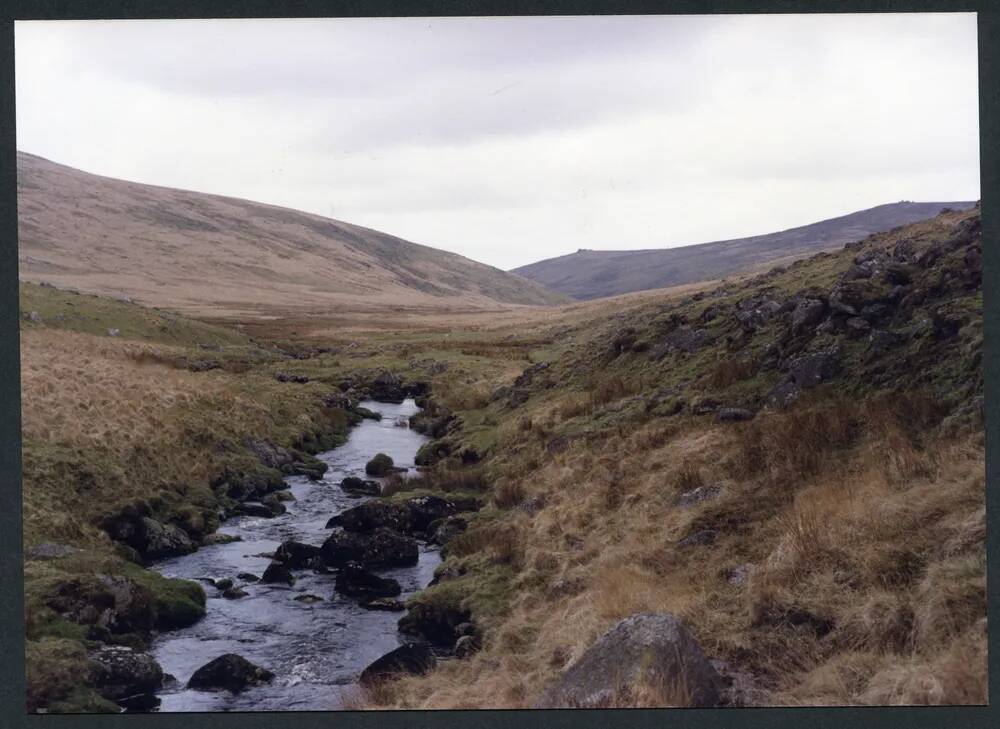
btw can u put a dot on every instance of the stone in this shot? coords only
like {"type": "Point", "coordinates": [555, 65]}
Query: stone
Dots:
{"type": "Point", "coordinates": [412, 658]}
{"type": "Point", "coordinates": [380, 465]}
{"type": "Point", "coordinates": [115, 604]}
{"type": "Point", "coordinates": [360, 486]}
{"type": "Point", "coordinates": [288, 377]}
{"type": "Point", "coordinates": [427, 509]}
{"type": "Point", "coordinates": [219, 538]}
{"type": "Point", "coordinates": [387, 604]}
{"type": "Point", "coordinates": [114, 332]}
{"type": "Point", "coordinates": [683, 339]}
{"type": "Point", "coordinates": [466, 645]}
{"type": "Point", "coordinates": [654, 649]}
{"type": "Point", "coordinates": [229, 672]}
{"type": "Point", "coordinates": [856, 327]}
{"type": "Point", "coordinates": [308, 598]}
{"type": "Point", "coordinates": [119, 672]}
{"type": "Point", "coordinates": [234, 593]}
{"type": "Point", "coordinates": [247, 577]}
{"type": "Point", "coordinates": [733, 414]}
{"type": "Point", "coordinates": [296, 554]}
{"type": "Point", "coordinates": [807, 313]}
{"type": "Point", "coordinates": [783, 394]}
{"type": "Point", "coordinates": [355, 581]}
{"type": "Point", "coordinates": [277, 572]}
{"type": "Point", "coordinates": [251, 508]}
{"type": "Point", "coordinates": [809, 370]}
{"type": "Point", "coordinates": [881, 341]}
{"type": "Point", "coordinates": [450, 527]}
{"type": "Point", "coordinates": [371, 515]}
{"type": "Point", "coordinates": [434, 623]}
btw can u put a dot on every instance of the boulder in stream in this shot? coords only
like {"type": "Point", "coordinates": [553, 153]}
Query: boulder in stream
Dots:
{"type": "Point", "coordinates": [229, 672]}
{"type": "Point", "coordinates": [355, 581]}
{"type": "Point", "coordinates": [277, 572]}
{"type": "Point", "coordinates": [360, 487]}
{"type": "Point", "coordinates": [371, 515]}
{"type": "Point", "coordinates": [296, 555]}
{"type": "Point", "coordinates": [388, 604]}
{"type": "Point", "coordinates": [380, 465]}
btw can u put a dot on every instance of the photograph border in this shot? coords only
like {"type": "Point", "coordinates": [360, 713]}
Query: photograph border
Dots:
{"type": "Point", "coordinates": [12, 669]}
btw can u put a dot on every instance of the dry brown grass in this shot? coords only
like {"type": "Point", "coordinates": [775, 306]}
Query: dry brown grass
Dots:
{"type": "Point", "coordinates": [868, 578]}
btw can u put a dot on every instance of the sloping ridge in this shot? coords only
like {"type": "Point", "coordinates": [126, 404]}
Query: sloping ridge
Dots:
{"type": "Point", "coordinates": [207, 253]}
{"type": "Point", "coordinates": [591, 274]}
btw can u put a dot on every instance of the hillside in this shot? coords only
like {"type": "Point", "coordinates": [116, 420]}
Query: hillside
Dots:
{"type": "Point", "coordinates": [791, 464]}
{"type": "Point", "coordinates": [591, 274]}
{"type": "Point", "coordinates": [210, 254]}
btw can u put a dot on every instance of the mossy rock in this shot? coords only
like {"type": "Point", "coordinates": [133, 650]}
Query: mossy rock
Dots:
{"type": "Point", "coordinates": [380, 465]}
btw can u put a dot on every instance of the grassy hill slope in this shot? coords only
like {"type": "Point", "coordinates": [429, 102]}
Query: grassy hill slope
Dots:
{"type": "Point", "coordinates": [201, 253]}
{"type": "Point", "coordinates": [591, 274]}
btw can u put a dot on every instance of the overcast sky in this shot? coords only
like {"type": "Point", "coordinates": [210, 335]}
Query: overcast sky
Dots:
{"type": "Point", "coordinates": [510, 140]}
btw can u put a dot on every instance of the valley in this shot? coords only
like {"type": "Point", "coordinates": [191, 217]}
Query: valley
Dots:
{"type": "Point", "coordinates": [787, 463]}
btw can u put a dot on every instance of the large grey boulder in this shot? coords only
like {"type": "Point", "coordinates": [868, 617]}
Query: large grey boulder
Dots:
{"type": "Point", "coordinates": [120, 672]}
{"type": "Point", "coordinates": [654, 650]}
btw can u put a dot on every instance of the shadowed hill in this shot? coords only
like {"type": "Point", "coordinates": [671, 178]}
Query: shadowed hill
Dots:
{"type": "Point", "coordinates": [590, 274]}
{"type": "Point", "coordinates": [207, 253]}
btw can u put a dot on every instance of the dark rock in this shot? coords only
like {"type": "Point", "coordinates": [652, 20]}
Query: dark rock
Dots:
{"type": "Point", "coordinates": [809, 370]}
{"type": "Point", "coordinates": [436, 623]}
{"type": "Point", "coordinates": [683, 339]}
{"type": "Point", "coordinates": [223, 584]}
{"type": "Point", "coordinates": [361, 487]}
{"type": "Point", "coordinates": [342, 547]}
{"type": "Point", "coordinates": [388, 548]}
{"type": "Point", "coordinates": [427, 509]}
{"type": "Point", "coordinates": [527, 377]}
{"type": "Point", "coordinates": [881, 341]}
{"type": "Point", "coordinates": [387, 604]}
{"type": "Point", "coordinates": [269, 454]}
{"type": "Point", "coordinates": [387, 387]}
{"type": "Point", "coordinates": [277, 572]}
{"type": "Point", "coordinates": [251, 508]}
{"type": "Point", "coordinates": [382, 548]}
{"type": "Point", "coordinates": [875, 312]}
{"type": "Point", "coordinates": [652, 649]}
{"type": "Point", "coordinates": [296, 554]}
{"type": "Point", "coordinates": [856, 327]}
{"type": "Point", "coordinates": [234, 593]}
{"type": "Point", "coordinates": [412, 658]}
{"type": "Point", "coordinates": [808, 313]}
{"type": "Point", "coordinates": [289, 377]}
{"type": "Point", "coordinates": [116, 604]}
{"type": "Point", "coordinates": [897, 274]}
{"type": "Point", "coordinates": [517, 397]}
{"type": "Point", "coordinates": [448, 528]}
{"type": "Point", "coordinates": [380, 465]}
{"type": "Point", "coordinates": [275, 505]}
{"type": "Point", "coordinates": [466, 645]}
{"type": "Point", "coordinates": [220, 538]}
{"type": "Point", "coordinates": [733, 414]}
{"type": "Point", "coordinates": [355, 581]}
{"type": "Point", "coordinates": [119, 672]}
{"type": "Point", "coordinates": [753, 313]}
{"type": "Point", "coordinates": [307, 598]}
{"type": "Point", "coordinates": [229, 672]}
{"type": "Point", "coordinates": [783, 394]}
{"type": "Point", "coordinates": [248, 577]}
{"type": "Point", "coordinates": [370, 515]}
{"type": "Point", "coordinates": [152, 539]}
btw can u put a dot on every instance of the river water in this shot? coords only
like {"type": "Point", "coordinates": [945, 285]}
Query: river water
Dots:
{"type": "Point", "coordinates": [317, 650]}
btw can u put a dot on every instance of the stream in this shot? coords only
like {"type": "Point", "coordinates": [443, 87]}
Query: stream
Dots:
{"type": "Point", "coordinates": [317, 650]}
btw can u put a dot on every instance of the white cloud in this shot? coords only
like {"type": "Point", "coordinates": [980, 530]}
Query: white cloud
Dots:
{"type": "Point", "coordinates": [514, 139]}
